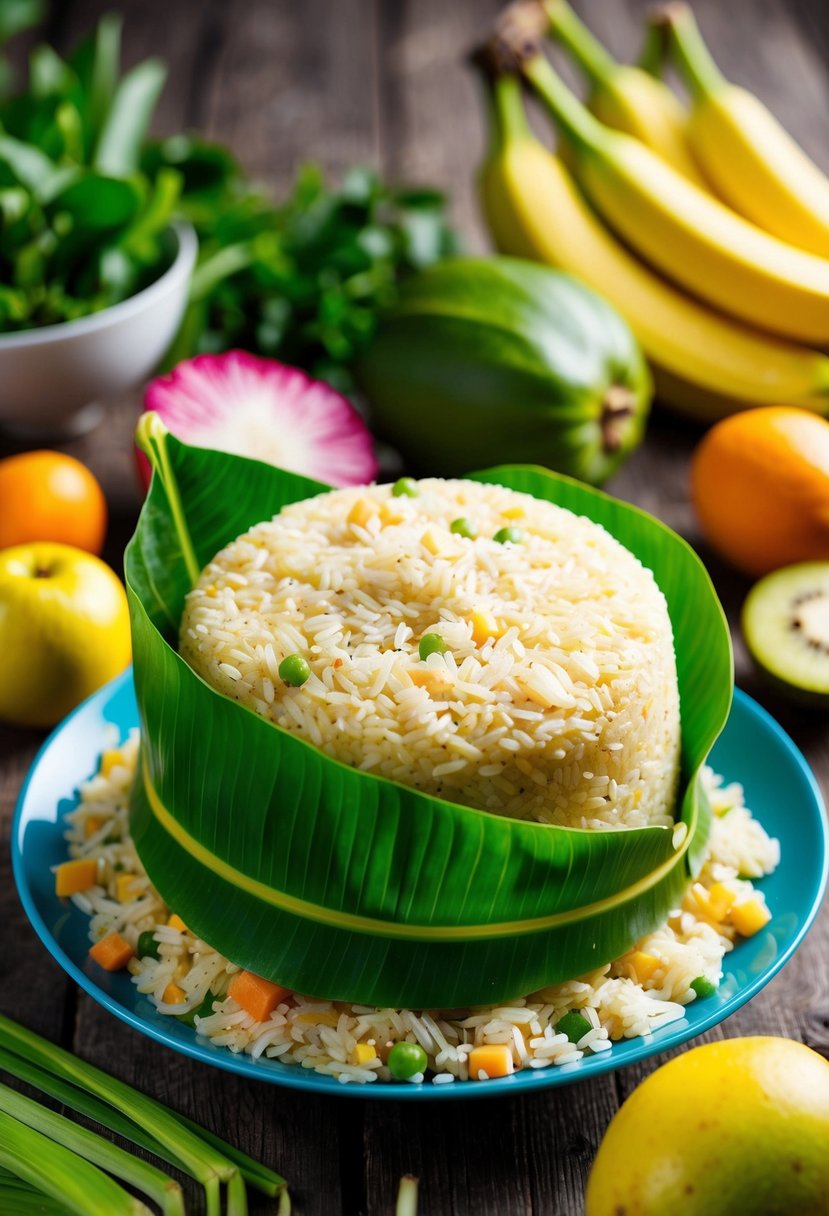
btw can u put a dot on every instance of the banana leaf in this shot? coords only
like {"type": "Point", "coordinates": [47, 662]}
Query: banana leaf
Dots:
{"type": "Point", "coordinates": [345, 884]}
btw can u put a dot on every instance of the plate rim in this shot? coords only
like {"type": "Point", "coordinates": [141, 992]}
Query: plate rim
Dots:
{"type": "Point", "coordinates": [307, 1080]}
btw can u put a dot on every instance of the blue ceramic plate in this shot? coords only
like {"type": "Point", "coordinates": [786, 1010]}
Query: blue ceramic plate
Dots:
{"type": "Point", "coordinates": [753, 749]}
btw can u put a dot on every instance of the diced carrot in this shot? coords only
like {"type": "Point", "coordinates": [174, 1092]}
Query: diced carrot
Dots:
{"type": "Point", "coordinates": [175, 922]}
{"type": "Point", "coordinates": [644, 965]}
{"type": "Point", "coordinates": [111, 952]}
{"type": "Point", "coordinates": [362, 1053]}
{"type": "Point", "coordinates": [173, 995]}
{"type": "Point", "coordinates": [749, 917]}
{"type": "Point", "coordinates": [257, 996]}
{"type": "Point", "coordinates": [91, 825]}
{"type": "Point", "coordinates": [111, 760]}
{"type": "Point", "coordinates": [493, 1059]}
{"type": "Point", "coordinates": [74, 876]}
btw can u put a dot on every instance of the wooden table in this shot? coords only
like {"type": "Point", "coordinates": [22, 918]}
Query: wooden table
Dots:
{"type": "Point", "coordinates": [381, 81]}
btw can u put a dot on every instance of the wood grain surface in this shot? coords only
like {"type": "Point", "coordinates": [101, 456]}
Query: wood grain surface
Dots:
{"type": "Point", "coordinates": [383, 82]}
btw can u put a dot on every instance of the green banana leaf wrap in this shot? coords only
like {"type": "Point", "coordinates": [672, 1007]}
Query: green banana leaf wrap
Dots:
{"type": "Point", "coordinates": [350, 886]}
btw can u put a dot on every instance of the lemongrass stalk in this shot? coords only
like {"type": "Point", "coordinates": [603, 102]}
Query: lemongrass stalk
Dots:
{"type": "Point", "coordinates": [236, 1198]}
{"type": "Point", "coordinates": [23, 1199]}
{"type": "Point", "coordinates": [407, 1197]}
{"type": "Point", "coordinates": [200, 1160]}
{"type": "Point", "coordinates": [157, 1186]}
{"type": "Point", "coordinates": [254, 1173]}
{"type": "Point", "coordinates": [63, 1175]}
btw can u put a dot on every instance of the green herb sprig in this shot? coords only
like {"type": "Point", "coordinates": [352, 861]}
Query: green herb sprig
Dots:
{"type": "Point", "coordinates": [302, 281]}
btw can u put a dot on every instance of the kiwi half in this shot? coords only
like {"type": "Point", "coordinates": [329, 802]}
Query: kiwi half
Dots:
{"type": "Point", "coordinates": [786, 627]}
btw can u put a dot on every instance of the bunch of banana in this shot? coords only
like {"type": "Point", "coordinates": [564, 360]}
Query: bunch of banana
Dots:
{"type": "Point", "coordinates": [723, 309]}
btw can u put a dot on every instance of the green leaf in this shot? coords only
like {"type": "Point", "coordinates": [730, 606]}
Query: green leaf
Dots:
{"type": "Point", "coordinates": [342, 883]}
{"type": "Point", "coordinates": [19, 15]}
{"type": "Point", "coordinates": [118, 151]}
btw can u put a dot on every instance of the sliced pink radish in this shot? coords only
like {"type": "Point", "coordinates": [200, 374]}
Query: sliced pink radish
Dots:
{"type": "Point", "coordinates": [238, 402]}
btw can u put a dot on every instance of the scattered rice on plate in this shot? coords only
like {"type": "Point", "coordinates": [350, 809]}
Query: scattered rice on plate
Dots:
{"type": "Point", "coordinates": [641, 992]}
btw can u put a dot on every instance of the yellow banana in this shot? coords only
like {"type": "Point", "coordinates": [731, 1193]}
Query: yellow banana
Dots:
{"type": "Point", "coordinates": [706, 364]}
{"type": "Point", "coordinates": [688, 234]}
{"type": "Point", "coordinates": [627, 97]}
{"type": "Point", "coordinates": [752, 162]}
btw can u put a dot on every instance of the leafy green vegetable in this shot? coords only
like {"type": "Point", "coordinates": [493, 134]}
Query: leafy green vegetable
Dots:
{"type": "Point", "coordinates": [302, 281]}
{"type": "Point", "coordinates": [85, 201]}
{"type": "Point", "coordinates": [82, 226]}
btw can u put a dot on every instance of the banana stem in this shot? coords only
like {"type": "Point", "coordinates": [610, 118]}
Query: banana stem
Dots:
{"type": "Point", "coordinates": [575, 120]}
{"type": "Point", "coordinates": [701, 73]}
{"type": "Point", "coordinates": [654, 49]}
{"type": "Point", "coordinates": [596, 62]}
{"type": "Point", "coordinates": [508, 115]}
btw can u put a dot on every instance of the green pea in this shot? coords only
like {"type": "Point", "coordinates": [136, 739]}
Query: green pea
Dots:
{"type": "Point", "coordinates": [431, 643]}
{"type": "Point", "coordinates": [511, 535]}
{"type": "Point", "coordinates": [574, 1025]}
{"type": "Point", "coordinates": [294, 670]}
{"type": "Point", "coordinates": [204, 1010]}
{"type": "Point", "coordinates": [147, 945]}
{"type": "Point", "coordinates": [464, 527]}
{"type": "Point", "coordinates": [405, 487]}
{"type": "Point", "coordinates": [406, 1060]}
{"type": "Point", "coordinates": [703, 987]}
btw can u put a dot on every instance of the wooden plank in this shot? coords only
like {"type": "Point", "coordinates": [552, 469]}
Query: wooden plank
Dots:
{"type": "Point", "coordinates": [294, 84]}
{"type": "Point", "coordinates": [432, 127]}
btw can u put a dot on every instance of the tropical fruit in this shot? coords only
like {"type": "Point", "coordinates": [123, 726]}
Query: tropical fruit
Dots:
{"type": "Point", "coordinates": [786, 627]}
{"type": "Point", "coordinates": [722, 1130]}
{"type": "Point", "coordinates": [485, 361]}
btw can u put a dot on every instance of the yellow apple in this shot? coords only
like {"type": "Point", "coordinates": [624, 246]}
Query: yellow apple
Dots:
{"type": "Point", "coordinates": [64, 631]}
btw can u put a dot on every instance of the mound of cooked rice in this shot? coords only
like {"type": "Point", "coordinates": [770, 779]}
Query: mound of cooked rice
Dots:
{"type": "Point", "coordinates": [646, 989]}
{"type": "Point", "coordinates": [555, 698]}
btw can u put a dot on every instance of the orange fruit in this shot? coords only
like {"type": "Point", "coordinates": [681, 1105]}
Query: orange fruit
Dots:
{"type": "Point", "coordinates": [53, 497]}
{"type": "Point", "coordinates": [760, 487]}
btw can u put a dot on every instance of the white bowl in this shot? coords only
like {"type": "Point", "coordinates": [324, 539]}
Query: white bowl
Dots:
{"type": "Point", "coordinates": [53, 379]}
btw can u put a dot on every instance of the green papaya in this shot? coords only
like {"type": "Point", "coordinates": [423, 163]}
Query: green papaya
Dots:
{"type": "Point", "coordinates": [484, 361]}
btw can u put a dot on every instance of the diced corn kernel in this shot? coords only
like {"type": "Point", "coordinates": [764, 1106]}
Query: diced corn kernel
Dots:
{"type": "Point", "coordinates": [493, 1059]}
{"type": "Point", "coordinates": [175, 922]}
{"type": "Point", "coordinates": [362, 1053]}
{"type": "Point", "coordinates": [361, 512]}
{"type": "Point", "coordinates": [173, 995]}
{"type": "Point", "coordinates": [390, 513]}
{"type": "Point", "coordinates": [326, 1017]}
{"type": "Point", "coordinates": [110, 760]}
{"type": "Point", "coordinates": [91, 825]}
{"type": "Point", "coordinates": [431, 540]}
{"type": "Point", "coordinates": [722, 898]}
{"type": "Point", "coordinates": [125, 888]}
{"type": "Point", "coordinates": [436, 683]}
{"type": "Point", "coordinates": [749, 917]}
{"type": "Point", "coordinates": [644, 965]}
{"type": "Point", "coordinates": [514, 513]}
{"type": "Point", "coordinates": [484, 626]}
{"type": "Point", "coordinates": [74, 876]}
